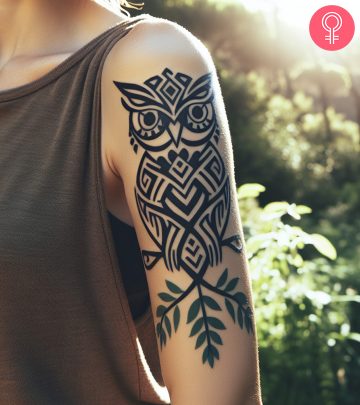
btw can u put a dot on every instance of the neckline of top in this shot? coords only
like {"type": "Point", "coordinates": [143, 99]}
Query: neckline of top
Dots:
{"type": "Point", "coordinates": [27, 88]}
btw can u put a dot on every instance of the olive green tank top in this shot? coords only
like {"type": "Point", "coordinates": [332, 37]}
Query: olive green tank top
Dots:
{"type": "Point", "coordinates": [76, 326]}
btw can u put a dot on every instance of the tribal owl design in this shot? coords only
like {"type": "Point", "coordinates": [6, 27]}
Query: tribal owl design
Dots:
{"type": "Point", "coordinates": [183, 198]}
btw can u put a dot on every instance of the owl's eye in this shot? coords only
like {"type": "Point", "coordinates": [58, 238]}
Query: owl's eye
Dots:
{"type": "Point", "coordinates": [199, 117]}
{"type": "Point", "coordinates": [149, 124]}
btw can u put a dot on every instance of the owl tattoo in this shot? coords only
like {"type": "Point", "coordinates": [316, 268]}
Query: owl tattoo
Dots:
{"type": "Point", "coordinates": [182, 194]}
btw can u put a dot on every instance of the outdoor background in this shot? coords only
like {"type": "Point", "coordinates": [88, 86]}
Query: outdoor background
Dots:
{"type": "Point", "coordinates": [294, 113]}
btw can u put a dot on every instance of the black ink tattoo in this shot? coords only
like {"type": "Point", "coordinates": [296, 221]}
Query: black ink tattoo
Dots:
{"type": "Point", "coordinates": [183, 199]}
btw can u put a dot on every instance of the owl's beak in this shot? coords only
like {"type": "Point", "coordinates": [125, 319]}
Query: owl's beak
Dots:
{"type": "Point", "coordinates": [175, 131]}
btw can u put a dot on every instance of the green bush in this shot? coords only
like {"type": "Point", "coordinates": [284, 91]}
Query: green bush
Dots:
{"type": "Point", "coordinates": [301, 305]}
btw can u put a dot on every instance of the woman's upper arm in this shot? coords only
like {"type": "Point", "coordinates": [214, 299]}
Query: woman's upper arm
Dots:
{"type": "Point", "coordinates": [169, 141]}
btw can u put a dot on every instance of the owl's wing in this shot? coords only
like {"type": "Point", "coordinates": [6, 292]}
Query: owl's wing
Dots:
{"type": "Point", "coordinates": [164, 230]}
{"type": "Point", "coordinates": [212, 223]}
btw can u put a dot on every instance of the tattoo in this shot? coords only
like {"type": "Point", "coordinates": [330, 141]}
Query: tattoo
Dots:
{"type": "Point", "coordinates": [183, 198]}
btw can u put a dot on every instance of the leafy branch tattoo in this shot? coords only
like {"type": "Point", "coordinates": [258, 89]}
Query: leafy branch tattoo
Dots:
{"type": "Point", "coordinates": [183, 197]}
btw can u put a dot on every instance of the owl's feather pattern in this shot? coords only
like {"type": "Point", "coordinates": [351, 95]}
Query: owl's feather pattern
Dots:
{"type": "Point", "coordinates": [182, 189]}
{"type": "Point", "coordinates": [174, 205]}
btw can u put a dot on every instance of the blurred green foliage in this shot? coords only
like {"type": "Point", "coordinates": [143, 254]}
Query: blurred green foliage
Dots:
{"type": "Point", "coordinates": [294, 117]}
{"type": "Point", "coordinates": [302, 305]}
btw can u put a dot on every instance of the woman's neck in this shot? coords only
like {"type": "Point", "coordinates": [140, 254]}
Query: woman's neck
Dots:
{"type": "Point", "coordinates": [35, 28]}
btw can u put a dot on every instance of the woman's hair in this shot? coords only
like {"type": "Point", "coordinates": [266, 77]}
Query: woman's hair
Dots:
{"type": "Point", "coordinates": [118, 5]}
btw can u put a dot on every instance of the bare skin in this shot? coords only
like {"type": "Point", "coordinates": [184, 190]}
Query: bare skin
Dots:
{"type": "Point", "coordinates": [35, 37]}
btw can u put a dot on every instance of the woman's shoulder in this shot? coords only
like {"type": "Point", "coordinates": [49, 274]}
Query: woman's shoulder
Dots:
{"type": "Point", "coordinates": [155, 41]}
{"type": "Point", "coordinates": [157, 56]}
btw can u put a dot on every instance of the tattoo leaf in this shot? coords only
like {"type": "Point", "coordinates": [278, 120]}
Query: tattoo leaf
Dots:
{"type": "Point", "coordinates": [166, 297]}
{"type": "Point", "coordinates": [211, 303]}
{"type": "Point", "coordinates": [205, 354]}
{"type": "Point", "coordinates": [168, 325]}
{"type": "Point", "coordinates": [196, 327]}
{"type": "Point", "coordinates": [214, 351]}
{"type": "Point", "coordinates": [215, 337]}
{"type": "Point", "coordinates": [173, 287]}
{"type": "Point", "coordinates": [216, 323]}
{"type": "Point", "coordinates": [230, 309]}
{"type": "Point", "coordinates": [222, 278]}
{"type": "Point", "coordinates": [232, 284]}
{"type": "Point", "coordinates": [208, 355]}
{"type": "Point", "coordinates": [158, 329]}
{"type": "Point", "coordinates": [160, 310]}
{"type": "Point", "coordinates": [240, 317]}
{"type": "Point", "coordinates": [176, 317]}
{"type": "Point", "coordinates": [200, 340]}
{"type": "Point", "coordinates": [162, 338]}
{"type": "Point", "coordinates": [193, 310]}
{"type": "Point", "coordinates": [241, 298]}
{"type": "Point", "coordinates": [248, 320]}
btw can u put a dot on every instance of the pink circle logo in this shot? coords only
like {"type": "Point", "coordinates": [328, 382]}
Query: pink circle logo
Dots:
{"type": "Point", "coordinates": [332, 28]}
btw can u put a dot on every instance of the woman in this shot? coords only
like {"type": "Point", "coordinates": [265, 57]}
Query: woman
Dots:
{"type": "Point", "coordinates": [115, 151]}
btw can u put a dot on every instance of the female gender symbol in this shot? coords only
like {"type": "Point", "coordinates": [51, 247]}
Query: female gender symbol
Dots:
{"type": "Point", "coordinates": [331, 30]}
